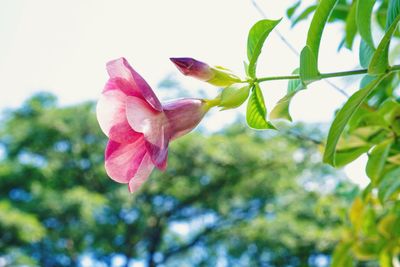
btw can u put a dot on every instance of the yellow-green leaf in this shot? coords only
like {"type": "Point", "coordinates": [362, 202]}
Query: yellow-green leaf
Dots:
{"type": "Point", "coordinates": [255, 41]}
{"type": "Point", "coordinates": [380, 60]}
{"type": "Point", "coordinates": [256, 111]}
{"type": "Point", "coordinates": [344, 115]}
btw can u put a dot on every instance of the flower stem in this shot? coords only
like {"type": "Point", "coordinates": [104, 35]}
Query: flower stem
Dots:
{"type": "Point", "coordinates": [325, 75]}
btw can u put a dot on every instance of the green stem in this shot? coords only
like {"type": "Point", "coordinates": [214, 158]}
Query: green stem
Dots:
{"type": "Point", "coordinates": [325, 75]}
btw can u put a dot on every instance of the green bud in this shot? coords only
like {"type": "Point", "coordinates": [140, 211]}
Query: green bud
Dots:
{"type": "Point", "coordinates": [222, 77]}
{"type": "Point", "coordinates": [234, 96]}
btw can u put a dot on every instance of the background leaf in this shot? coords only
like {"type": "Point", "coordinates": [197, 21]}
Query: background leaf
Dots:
{"type": "Point", "coordinates": [343, 116]}
{"type": "Point", "coordinates": [377, 160]}
{"type": "Point", "coordinates": [351, 25]}
{"type": "Point", "coordinates": [304, 15]}
{"type": "Point", "coordinates": [364, 13]}
{"type": "Point", "coordinates": [290, 11]}
{"type": "Point", "coordinates": [365, 54]}
{"type": "Point", "coordinates": [380, 60]}
{"type": "Point", "coordinates": [392, 12]}
{"type": "Point", "coordinates": [256, 111]}
{"type": "Point", "coordinates": [389, 185]}
{"type": "Point", "coordinates": [255, 41]}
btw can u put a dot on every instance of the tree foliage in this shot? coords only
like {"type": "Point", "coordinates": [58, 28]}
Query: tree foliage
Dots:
{"type": "Point", "coordinates": [246, 198]}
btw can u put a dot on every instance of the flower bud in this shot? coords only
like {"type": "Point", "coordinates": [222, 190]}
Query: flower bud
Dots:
{"type": "Point", "coordinates": [234, 96]}
{"type": "Point", "coordinates": [217, 76]}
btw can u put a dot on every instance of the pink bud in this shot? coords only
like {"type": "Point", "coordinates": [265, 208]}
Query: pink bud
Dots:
{"type": "Point", "coordinates": [217, 76]}
{"type": "Point", "coordinates": [192, 67]}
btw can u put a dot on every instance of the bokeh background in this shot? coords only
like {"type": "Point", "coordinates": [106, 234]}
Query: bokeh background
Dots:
{"type": "Point", "coordinates": [230, 196]}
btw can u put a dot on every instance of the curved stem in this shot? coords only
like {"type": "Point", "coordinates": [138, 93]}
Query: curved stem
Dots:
{"type": "Point", "coordinates": [325, 75]}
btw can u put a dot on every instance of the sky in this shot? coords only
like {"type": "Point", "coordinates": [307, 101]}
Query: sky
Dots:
{"type": "Point", "coordinates": [63, 46]}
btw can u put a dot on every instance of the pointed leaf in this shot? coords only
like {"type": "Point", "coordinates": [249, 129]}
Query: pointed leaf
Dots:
{"type": "Point", "coordinates": [377, 159]}
{"type": "Point", "coordinates": [308, 66]}
{"type": "Point", "coordinates": [364, 15]}
{"type": "Point", "coordinates": [392, 12]}
{"type": "Point", "coordinates": [320, 18]}
{"type": "Point", "coordinates": [342, 256]}
{"type": "Point", "coordinates": [344, 115]}
{"type": "Point", "coordinates": [292, 9]}
{"type": "Point", "coordinates": [256, 111]}
{"type": "Point", "coordinates": [281, 109]}
{"type": "Point", "coordinates": [365, 54]}
{"type": "Point", "coordinates": [389, 185]}
{"type": "Point", "coordinates": [255, 41]}
{"type": "Point", "coordinates": [304, 15]}
{"type": "Point", "coordinates": [351, 25]}
{"type": "Point", "coordinates": [344, 157]}
{"type": "Point", "coordinates": [380, 60]}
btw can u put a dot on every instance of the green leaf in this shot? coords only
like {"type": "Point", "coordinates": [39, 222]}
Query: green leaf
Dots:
{"type": "Point", "coordinates": [255, 41]}
{"type": "Point", "coordinates": [380, 60]}
{"type": "Point", "coordinates": [344, 157]}
{"type": "Point", "coordinates": [246, 68]}
{"type": "Point", "coordinates": [321, 15]}
{"type": "Point", "coordinates": [351, 25]}
{"type": "Point", "coordinates": [234, 96]}
{"type": "Point", "coordinates": [364, 14]}
{"type": "Point", "coordinates": [281, 109]}
{"type": "Point", "coordinates": [365, 54]}
{"type": "Point", "coordinates": [392, 12]}
{"type": "Point", "coordinates": [385, 259]}
{"type": "Point", "coordinates": [343, 116]}
{"type": "Point", "coordinates": [292, 9]}
{"type": "Point", "coordinates": [389, 185]}
{"type": "Point", "coordinates": [304, 15]}
{"type": "Point", "coordinates": [377, 159]}
{"type": "Point", "coordinates": [308, 66]}
{"type": "Point", "coordinates": [256, 111]}
{"type": "Point", "coordinates": [342, 256]}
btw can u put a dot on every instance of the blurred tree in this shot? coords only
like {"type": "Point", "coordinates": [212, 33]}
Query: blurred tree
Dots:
{"type": "Point", "coordinates": [238, 198]}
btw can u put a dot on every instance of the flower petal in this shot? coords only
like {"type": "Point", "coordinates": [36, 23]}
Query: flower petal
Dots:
{"type": "Point", "coordinates": [121, 68]}
{"type": "Point", "coordinates": [154, 126]}
{"type": "Point", "coordinates": [142, 173]}
{"type": "Point", "coordinates": [122, 161]}
{"type": "Point", "coordinates": [184, 115]}
{"type": "Point", "coordinates": [111, 116]}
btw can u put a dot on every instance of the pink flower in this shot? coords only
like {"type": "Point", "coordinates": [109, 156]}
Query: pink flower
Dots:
{"type": "Point", "coordinates": [139, 127]}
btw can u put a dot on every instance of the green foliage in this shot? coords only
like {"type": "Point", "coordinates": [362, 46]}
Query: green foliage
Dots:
{"type": "Point", "coordinates": [343, 117]}
{"type": "Point", "coordinates": [255, 41]}
{"type": "Point", "coordinates": [380, 60]}
{"type": "Point", "coordinates": [256, 111]}
{"type": "Point", "coordinates": [281, 109]}
{"type": "Point", "coordinates": [351, 25]}
{"type": "Point", "coordinates": [57, 203]}
{"type": "Point", "coordinates": [308, 66]}
{"type": "Point", "coordinates": [363, 14]}
{"type": "Point", "coordinates": [320, 18]}
{"type": "Point", "coordinates": [234, 96]}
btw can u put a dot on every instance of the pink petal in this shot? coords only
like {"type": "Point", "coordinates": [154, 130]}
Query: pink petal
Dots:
{"type": "Point", "coordinates": [142, 173]}
{"type": "Point", "coordinates": [183, 115]}
{"type": "Point", "coordinates": [112, 117]}
{"type": "Point", "coordinates": [154, 126]}
{"type": "Point", "coordinates": [118, 83]}
{"type": "Point", "coordinates": [122, 161]}
{"type": "Point", "coordinates": [121, 68]}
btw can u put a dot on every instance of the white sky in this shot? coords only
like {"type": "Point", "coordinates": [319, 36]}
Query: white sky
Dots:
{"type": "Point", "coordinates": [62, 47]}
